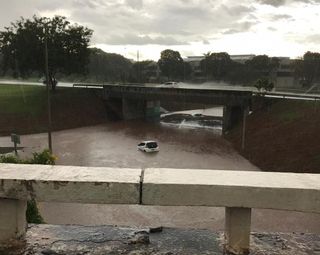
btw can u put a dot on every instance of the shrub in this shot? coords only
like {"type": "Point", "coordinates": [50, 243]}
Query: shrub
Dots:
{"type": "Point", "coordinates": [43, 158]}
{"type": "Point", "coordinates": [32, 214]}
{"type": "Point", "coordinates": [9, 159]}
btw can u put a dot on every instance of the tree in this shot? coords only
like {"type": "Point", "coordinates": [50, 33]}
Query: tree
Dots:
{"type": "Point", "coordinates": [1, 63]}
{"type": "Point", "coordinates": [23, 43]}
{"type": "Point", "coordinates": [109, 67]}
{"type": "Point", "coordinates": [262, 66]}
{"type": "Point", "coordinates": [265, 84]}
{"type": "Point", "coordinates": [171, 64]}
{"type": "Point", "coordinates": [216, 65]}
{"type": "Point", "coordinates": [187, 71]}
{"type": "Point", "coordinates": [309, 70]}
{"type": "Point", "coordinates": [259, 85]}
{"type": "Point", "coordinates": [145, 71]}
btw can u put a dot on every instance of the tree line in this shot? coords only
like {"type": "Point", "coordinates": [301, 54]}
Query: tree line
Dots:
{"type": "Point", "coordinates": [70, 57]}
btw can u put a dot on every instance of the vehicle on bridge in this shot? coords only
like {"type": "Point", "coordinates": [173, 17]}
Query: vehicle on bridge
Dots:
{"type": "Point", "coordinates": [170, 84]}
{"type": "Point", "coordinates": [148, 146]}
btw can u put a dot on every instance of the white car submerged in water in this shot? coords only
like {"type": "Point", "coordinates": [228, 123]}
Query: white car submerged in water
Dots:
{"type": "Point", "coordinates": [148, 146]}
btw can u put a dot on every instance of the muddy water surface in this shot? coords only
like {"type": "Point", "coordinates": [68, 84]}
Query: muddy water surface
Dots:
{"type": "Point", "coordinates": [114, 144]}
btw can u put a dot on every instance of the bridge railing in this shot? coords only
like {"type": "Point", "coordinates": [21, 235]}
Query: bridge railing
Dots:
{"type": "Point", "coordinates": [237, 191]}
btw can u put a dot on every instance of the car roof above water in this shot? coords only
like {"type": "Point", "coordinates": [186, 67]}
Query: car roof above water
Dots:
{"type": "Point", "coordinates": [149, 141]}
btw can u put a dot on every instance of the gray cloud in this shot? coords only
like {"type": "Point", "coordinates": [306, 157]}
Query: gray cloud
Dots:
{"type": "Point", "coordinates": [141, 40]}
{"type": "Point", "coordinates": [183, 21]}
{"type": "Point", "coordinates": [205, 42]}
{"type": "Point", "coordinates": [239, 9]}
{"type": "Point", "coordinates": [164, 22]}
{"type": "Point", "coordinates": [275, 3]}
{"type": "Point", "coordinates": [282, 17]}
{"type": "Point", "coordinates": [161, 22]}
{"type": "Point", "coordinates": [272, 29]}
{"type": "Point", "coordinates": [240, 27]}
{"type": "Point", "coordinates": [135, 4]}
{"type": "Point", "coordinates": [314, 39]}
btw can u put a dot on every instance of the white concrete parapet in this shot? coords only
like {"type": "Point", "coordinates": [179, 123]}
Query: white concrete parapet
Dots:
{"type": "Point", "coordinates": [238, 191]}
{"type": "Point", "coordinates": [73, 184]}
{"type": "Point", "coordinates": [193, 187]}
{"type": "Point", "coordinates": [235, 190]}
{"type": "Point", "coordinates": [18, 183]}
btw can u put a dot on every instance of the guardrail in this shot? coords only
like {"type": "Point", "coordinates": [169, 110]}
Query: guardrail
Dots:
{"type": "Point", "coordinates": [205, 95]}
{"type": "Point", "coordinates": [235, 190]}
{"type": "Point", "coordinates": [94, 86]}
{"type": "Point", "coordinates": [134, 86]}
{"type": "Point", "coordinates": [287, 95]}
{"type": "Point", "coordinates": [100, 85]}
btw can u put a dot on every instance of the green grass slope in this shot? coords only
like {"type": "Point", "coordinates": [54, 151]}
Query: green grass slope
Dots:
{"type": "Point", "coordinates": [23, 109]}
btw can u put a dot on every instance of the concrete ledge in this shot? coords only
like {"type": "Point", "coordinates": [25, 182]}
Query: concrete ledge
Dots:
{"type": "Point", "coordinates": [282, 191]}
{"type": "Point", "coordinates": [70, 184]}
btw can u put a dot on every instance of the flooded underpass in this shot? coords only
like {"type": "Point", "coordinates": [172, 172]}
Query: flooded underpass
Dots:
{"type": "Point", "coordinates": [183, 144]}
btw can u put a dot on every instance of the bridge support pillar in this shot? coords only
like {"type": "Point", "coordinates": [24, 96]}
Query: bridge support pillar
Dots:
{"type": "Point", "coordinates": [152, 112]}
{"type": "Point", "coordinates": [237, 230]}
{"type": "Point", "coordinates": [231, 116]}
{"type": "Point", "coordinates": [133, 109]}
{"type": "Point", "coordinates": [13, 222]}
{"type": "Point", "coordinates": [140, 109]}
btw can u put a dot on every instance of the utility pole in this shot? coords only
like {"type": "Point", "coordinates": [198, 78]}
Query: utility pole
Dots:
{"type": "Point", "coordinates": [48, 81]}
{"type": "Point", "coordinates": [244, 120]}
{"type": "Point", "coordinates": [139, 80]}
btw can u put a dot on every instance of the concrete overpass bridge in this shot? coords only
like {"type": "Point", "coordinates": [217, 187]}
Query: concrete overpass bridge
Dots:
{"type": "Point", "coordinates": [136, 101]}
{"type": "Point", "coordinates": [143, 101]}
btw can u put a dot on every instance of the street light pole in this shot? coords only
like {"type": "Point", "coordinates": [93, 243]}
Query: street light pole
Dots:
{"type": "Point", "coordinates": [138, 67]}
{"type": "Point", "coordinates": [48, 92]}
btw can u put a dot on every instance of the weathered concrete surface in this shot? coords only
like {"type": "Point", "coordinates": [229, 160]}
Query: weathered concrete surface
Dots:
{"type": "Point", "coordinates": [102, 240]}
{"type": "Point", "coordinates": [283, 191]}
{"type": "Point", "coordinates": [237, 230]}
{"type": "Point", "coordinates": [13, 222]}
{"type": "Point", "coordinates": [70, 184]}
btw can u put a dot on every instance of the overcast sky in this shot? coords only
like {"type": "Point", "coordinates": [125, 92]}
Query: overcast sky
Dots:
{"type": "Point", "coordinates": [194, 27]}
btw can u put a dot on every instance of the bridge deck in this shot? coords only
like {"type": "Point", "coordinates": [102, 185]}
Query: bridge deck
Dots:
{"type": "Point", "coordinates": [252, 90]}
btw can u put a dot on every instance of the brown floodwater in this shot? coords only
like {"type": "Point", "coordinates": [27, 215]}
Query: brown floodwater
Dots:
{"type": "Point", "coordinates": [114, 144]}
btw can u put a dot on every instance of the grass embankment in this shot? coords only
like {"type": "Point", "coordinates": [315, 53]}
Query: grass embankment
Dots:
{"type": "Point", "coordinates": [284, 137]}
{"type": "Point", "coordinates": [23, 109]}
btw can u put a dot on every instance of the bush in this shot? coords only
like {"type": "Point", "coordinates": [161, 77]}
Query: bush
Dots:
{"type": "Point", "coordinates": [9, 159]}
{"type": "Point", "coordinates": [32, 214]}
{"type": "Point", "coordinates": [265, 84]}
{"type": "Point", "coordinates": [43, 158]}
